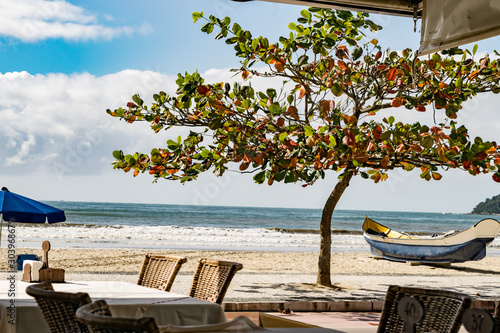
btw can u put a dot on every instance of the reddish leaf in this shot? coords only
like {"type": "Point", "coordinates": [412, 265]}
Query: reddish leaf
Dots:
{"type": "Point", "coordinates": [442, 85]}
{"type": "Point", "coordinates": [326, 107]}
{"type": "Point", "coordinates": [349, 139]}
{"type": "Point", "coordinates": [377, 131]}
{"type": "Point", "coordinates": [302, 93]}
{"type": "Point", "coordinates": [397, 102]}
{"type": "Point", "coordinates": [420, 108]}
{"type": "Point", "coordinates": [400, 148]}
{"type": "Point", "coordinates": [391, 74]}
{"type": "Point", "coordinates": [352, 119]}
{"type": "Point", "coordinates": [416, 148]}
{"type": "Point", "coordinates": [496, 177]}
{"type": "Point", "coordinates": [436, 176]}
{"type": "Point", "coordinates": [342, 64]}
{"type": "Point", "coordinates": [280, 67]}
{"type": "Point", "coordinates": [203, 90]}
{"type": "Point", "coordinates": [172, 171]}
{"type": "Point", "coordinates": [406, 67]}
{"type": "Point", "coordinates": [480, 156]}
{"type": "Point", "coordinates": [492, 150]}
{"type": "Point", "coordinates": [131, 105]}
{"type": "Point", "coordinates": [384, 162]}
{"type": "Point", "coordinates": [484, 63]}
{"type": "Point", "coordinates": [280, 122]}
{"type": "Point", "coordinates": [378, 55]}
{"type": "Point", "coordinates": [293, 112]}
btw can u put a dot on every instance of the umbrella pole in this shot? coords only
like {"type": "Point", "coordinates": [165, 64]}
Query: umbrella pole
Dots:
{"type": "Point", "coordinates": [1, 227]}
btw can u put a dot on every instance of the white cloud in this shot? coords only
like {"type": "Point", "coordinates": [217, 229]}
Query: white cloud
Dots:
{"type": "Point", "coordinates": [60, 119]}
{"type": "Point", "coordinates": [22, 153]}
{"type": "Point", "coordinates": [32, 20]}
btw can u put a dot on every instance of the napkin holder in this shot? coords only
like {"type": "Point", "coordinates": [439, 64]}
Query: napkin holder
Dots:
{"type": "Point", "coordinates": [45, 273]}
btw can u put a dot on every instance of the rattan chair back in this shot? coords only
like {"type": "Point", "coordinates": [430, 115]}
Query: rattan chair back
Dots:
{"type": "Point", "coordinates": [212, 278]}
{"type": "Point", "coordinates": [59, 308]}
{"type": "Point", "coordinates": [97, 317]}
{"type": "Point", "coordinates": [159, 271]}
{"type": "Point", "coordinates": [443, 310]}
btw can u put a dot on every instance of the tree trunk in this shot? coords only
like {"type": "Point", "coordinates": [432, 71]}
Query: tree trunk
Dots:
{"type": "Point", "coordinates": [326, 230]}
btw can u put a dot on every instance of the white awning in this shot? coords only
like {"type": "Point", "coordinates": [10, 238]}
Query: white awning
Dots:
{"type": "Point", "coordinates": [450, 23]}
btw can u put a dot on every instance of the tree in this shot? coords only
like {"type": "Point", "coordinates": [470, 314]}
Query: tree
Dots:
{"type": "Point", "coordinates": [334, 82]}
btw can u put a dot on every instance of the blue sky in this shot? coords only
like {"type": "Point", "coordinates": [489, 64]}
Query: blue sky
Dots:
{"type": "Point", "coordinates": [62, 64]}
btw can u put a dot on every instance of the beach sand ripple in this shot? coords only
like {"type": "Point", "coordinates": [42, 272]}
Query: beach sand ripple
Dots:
{"type": "Point", "coordinates": [285, 276]}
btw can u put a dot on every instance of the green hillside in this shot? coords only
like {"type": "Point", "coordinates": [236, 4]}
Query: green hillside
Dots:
{"type": "Point", "coordinates": [489, 206]}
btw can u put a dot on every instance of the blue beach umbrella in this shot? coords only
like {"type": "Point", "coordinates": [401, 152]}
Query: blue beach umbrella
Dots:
{"type": "Point", "coordinates": [16, 208]}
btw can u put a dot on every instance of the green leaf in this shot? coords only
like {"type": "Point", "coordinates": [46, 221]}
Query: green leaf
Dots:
{"type": "Point", "coordinates": [282, 136]}
{"type": "Point", "coordinates": [305, 13]}
{"type": "Point", "coordinates": [130, 160]}
{"type": "Point", "coordinates": [118, 154]}
{"type": "Point", "coordinates": [427, 141]}
{"type": "Point", "coordinates": [274, 109]}
{"type": "Point", "coordinates": [333, 141]}
{"type": "Point", "coordinates": [474, 49]}
{"type": "Point", "coordinates": [290, 177]}
{"type": "Point", "coordinates": [292, 26]}
{"type": "Point", "coordinates": [172, 145]}
{"type": "Point", "coordinates": [197, 16]}
{"type": "Point", "coordinates": [255, 43]}
{"type": "Point", "coordinates": [137, 100]}
{"type": "Point", "coordinates": [302, 60]}
{"type": "Point", "coordinates": [260, 177]}
{"type": "Point", "coordinates": [205, 153]}
{"type": "Point", "coordinates": [336, 89]}
{"type": "Point", "coordinates": [280, 176]}
{"type": "Point", "coordinates": [308, 131]}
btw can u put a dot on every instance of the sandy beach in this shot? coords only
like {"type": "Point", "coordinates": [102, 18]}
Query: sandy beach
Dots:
{"type": "Point", "coordinates": [278, 277]}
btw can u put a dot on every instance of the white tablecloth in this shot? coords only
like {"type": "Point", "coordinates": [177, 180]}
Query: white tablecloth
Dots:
{"type": "Point", "coordinates": [124, 299]}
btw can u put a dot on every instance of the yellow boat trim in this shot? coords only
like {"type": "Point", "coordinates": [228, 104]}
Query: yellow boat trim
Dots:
{"type": "Point", "coordinates": [378, 228]}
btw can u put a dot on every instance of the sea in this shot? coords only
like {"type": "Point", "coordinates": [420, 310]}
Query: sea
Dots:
{"type": "Point", "coordinates": [169, 227]}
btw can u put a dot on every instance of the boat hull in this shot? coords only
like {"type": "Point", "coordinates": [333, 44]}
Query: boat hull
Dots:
{"type": "Point", "coordinates": [469, 251]}
{"type": "Point", "coordinates": [466, 245]}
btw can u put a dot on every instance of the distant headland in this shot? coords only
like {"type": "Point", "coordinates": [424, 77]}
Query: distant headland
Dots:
{"type": "Point", "coordinates": [488, 207]}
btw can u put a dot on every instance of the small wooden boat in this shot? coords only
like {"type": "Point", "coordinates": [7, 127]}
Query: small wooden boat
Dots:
{"type": "Point", "coordinates": [451, 247]}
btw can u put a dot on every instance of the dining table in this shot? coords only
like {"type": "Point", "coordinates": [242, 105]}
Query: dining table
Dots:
{"type": "Point", "coordinates": [20, 313]}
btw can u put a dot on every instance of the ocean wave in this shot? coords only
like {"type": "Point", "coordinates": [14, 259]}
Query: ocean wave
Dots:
{"type": "Point", "coordinates": [181, 237]}
{"type": "Point", "coordinates": [177, 237]}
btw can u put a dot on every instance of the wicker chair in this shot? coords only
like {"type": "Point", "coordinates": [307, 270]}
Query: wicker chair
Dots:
{"type": "Point", "coordinates": [58, 308]}
{"type": "Point", "coordinates": [212, 278]}
{"type": "Point", "coordinates": [443, 310]}
{"type": "Point", "coordinates": [159, 271]}
{"type": "Point", "coordinates": [98, 318]}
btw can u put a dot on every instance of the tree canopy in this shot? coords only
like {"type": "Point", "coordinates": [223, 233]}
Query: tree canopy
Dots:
{"type": "Point", "coordinates": [335, 80]}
